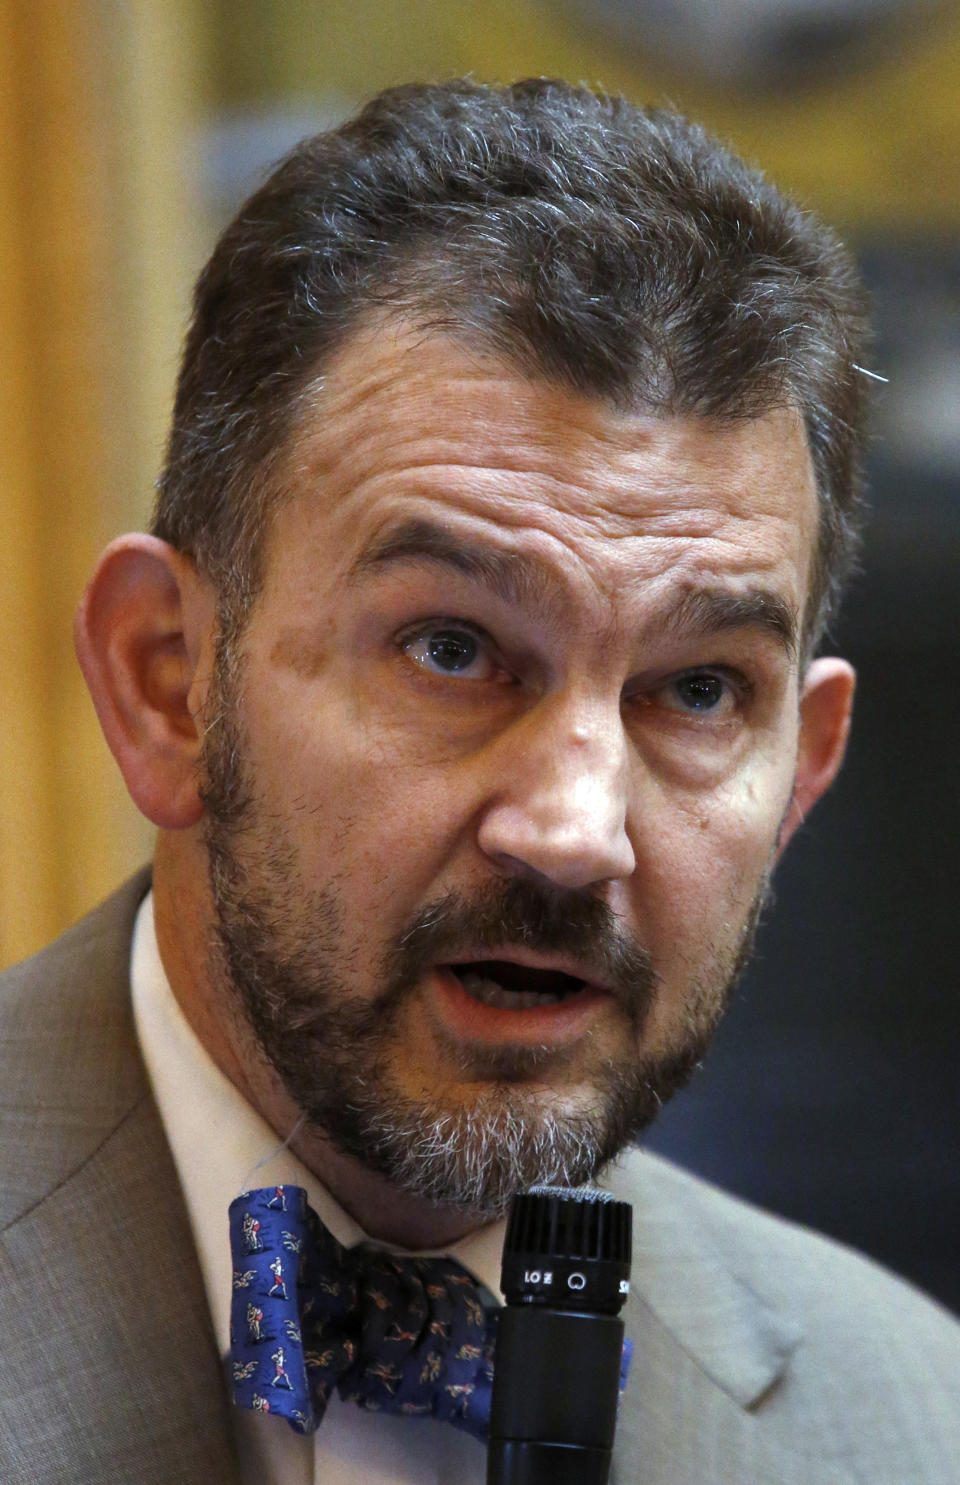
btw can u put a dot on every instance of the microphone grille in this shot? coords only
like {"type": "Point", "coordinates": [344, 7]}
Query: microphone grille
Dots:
{"type": "Point", "coordinates": [552, 1222]}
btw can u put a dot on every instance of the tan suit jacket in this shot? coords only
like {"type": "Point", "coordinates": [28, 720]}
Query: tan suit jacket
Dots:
{"type": "Point", "coordinates": [762, 1355]}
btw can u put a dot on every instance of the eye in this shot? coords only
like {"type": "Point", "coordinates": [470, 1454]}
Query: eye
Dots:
{"type": "Point", "coordinates": [451, 649]}
{"type": "Point", "coordinates": [699, 692]}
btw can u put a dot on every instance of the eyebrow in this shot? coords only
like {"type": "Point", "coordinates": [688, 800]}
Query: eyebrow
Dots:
{"type": "Point", "coordinates": [512, 577]}
{"type": "Point", "coordinates": [523, 580]}
{"type": "Point", "coordinates": [714, 610]}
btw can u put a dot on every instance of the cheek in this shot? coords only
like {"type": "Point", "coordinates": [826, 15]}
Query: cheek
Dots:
{"type": "Point", "coordinates": [706, 888]}
{"type": "Point", "coordinates": [704, 858]}
{"type": "Point", "coordinates": [371, 800]}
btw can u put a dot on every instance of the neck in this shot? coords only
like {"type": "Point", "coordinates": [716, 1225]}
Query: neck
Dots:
{"type": "Point", "coordinates": [385, 1213]}
{"type": "Point", "coordinates": [183, 916]}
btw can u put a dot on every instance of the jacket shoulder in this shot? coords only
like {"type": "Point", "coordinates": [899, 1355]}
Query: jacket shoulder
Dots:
{"type": "Point", "coordinates": [782, 1259]}
{"type": "Point", "coordinates": [872, 1351]}
{"type": "Point", "coordinates": [70, 1066]}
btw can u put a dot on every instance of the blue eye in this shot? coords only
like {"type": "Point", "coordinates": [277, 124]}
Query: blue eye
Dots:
{"type": "Point", "coordinates": [452, 650]}
{"type": "Point", "coordinates": [700, 693]}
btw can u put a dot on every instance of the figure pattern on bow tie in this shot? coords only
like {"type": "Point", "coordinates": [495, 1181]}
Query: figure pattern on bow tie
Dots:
{"type": "Point", "coordinates": [392, 1334]}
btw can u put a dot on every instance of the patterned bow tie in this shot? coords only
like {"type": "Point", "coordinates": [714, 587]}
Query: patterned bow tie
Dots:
{"type": "Point", "coordinates": [394, 1335]}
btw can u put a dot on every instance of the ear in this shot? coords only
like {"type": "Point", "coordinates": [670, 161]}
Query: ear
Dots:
{"type": "Point", "coordinates": [826, 705]}
{"type": "Point", "coordinates": [145, 633]}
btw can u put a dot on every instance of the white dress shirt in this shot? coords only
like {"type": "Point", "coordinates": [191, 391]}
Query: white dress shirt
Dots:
{"type": "Point", "coordinates": [221, 1147]}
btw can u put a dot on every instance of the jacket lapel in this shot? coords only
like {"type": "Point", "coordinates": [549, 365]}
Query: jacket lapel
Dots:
{"type": "Point", "coordinates": [123, 1336]}
{"type": "Point", "coordinates": [111, 1369]}
{"type": "Point", "coordinates": [677, 1426]}
{"type": "Point", "coordinates": [708, 1349]}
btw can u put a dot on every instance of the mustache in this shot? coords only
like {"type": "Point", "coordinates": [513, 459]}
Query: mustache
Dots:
{"type": "Point", "coordinates": [520, 911]}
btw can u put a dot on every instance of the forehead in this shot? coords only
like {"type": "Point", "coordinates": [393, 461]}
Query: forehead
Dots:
{"type": "Point", "coordinates": [409, 425]}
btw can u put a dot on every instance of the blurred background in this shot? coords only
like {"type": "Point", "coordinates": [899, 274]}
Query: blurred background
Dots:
{"type": "Point", "coordinates": [129, 132]}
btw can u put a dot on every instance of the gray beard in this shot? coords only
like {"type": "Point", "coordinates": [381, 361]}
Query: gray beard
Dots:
{"type": "Point", "coordinates": [279, 948]}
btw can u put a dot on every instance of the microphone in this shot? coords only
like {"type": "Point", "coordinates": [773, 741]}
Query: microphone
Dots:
{"type": "Point", "coordinates": [559, 1346]}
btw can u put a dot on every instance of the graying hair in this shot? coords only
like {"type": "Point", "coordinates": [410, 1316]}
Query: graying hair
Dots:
{"type": "Point", "coordinates": [615, 250]}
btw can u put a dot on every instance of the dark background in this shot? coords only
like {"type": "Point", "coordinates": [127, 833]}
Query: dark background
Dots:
{"type": "Point", "coordinates": [832, 1094]}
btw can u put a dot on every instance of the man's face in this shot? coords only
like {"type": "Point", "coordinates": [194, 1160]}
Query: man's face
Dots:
{"type": "Point", "coordinates": [496, 776]}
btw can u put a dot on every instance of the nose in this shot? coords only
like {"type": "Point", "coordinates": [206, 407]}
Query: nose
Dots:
{"type": "Point", "coordinates": [559, 801]}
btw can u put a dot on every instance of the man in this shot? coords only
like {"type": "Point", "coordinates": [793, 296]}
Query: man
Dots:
{"type": "Point", "coordinates": [469, 674]}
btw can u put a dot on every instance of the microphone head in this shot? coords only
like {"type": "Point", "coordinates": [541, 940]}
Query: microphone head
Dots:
{"type": "Point", "coordinates": [568, 1249]}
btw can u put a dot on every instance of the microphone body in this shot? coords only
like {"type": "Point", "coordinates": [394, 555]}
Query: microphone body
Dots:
{"type": "Point", "coordinates": [555, 1389]}
{"type": "Point", "coordinates": [559, 1346]}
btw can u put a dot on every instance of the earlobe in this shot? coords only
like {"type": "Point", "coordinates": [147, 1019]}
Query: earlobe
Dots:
{"type": "Point", "coordinates": [826, 706]}
{"type": "Point", "coordinates": [144, 634]}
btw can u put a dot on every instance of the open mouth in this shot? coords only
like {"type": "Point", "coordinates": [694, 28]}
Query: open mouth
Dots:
{"type": "Point", "coordinates": [515, 987]}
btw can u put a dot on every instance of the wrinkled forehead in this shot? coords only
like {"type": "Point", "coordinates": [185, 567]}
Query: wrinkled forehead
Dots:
{"type": "Point", "coordinates": [402, 412]}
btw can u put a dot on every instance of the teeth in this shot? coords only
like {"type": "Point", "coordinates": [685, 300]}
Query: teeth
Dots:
{"type": "Point", "coordinates": [488, 992]}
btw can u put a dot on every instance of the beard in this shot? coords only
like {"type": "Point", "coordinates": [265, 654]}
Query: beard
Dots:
{"type": "Point", "coordinates": [331, 1028]}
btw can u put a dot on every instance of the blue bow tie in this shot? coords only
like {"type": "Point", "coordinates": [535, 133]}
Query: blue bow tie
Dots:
{"type": "Point", "coordinates": [394, 1335]}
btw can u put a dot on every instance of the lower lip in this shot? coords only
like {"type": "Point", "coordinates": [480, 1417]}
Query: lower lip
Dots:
{"type": "Point", "coordinates": [471, 1020]}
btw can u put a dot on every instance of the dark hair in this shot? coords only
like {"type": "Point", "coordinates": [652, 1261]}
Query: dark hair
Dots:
{"type": "Point", "coordinates": [617, 250]}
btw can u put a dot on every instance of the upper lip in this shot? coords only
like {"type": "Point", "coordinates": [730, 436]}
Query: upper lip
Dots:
{"type": "Point", "coordinates": [531, 959]}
